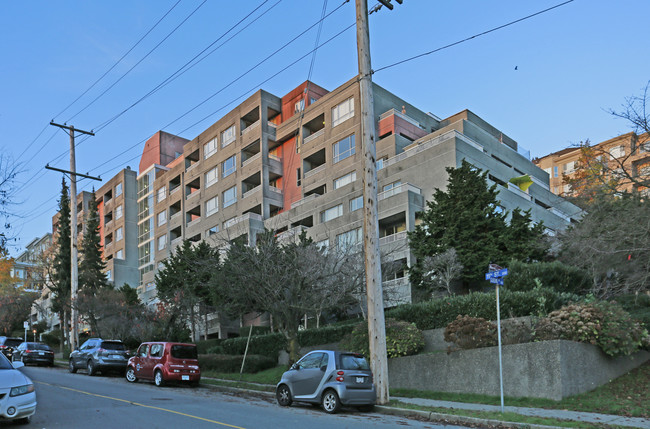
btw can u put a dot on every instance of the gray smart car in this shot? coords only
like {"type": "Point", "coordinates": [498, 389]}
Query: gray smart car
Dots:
{"type": "Point", "coordinates": [330, 378]}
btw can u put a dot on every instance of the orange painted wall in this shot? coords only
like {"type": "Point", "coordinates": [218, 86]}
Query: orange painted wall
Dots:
{"type": "Point", "coordinates": [100, 211]}
{"type": "Point", "coordinates": [290, 162]}
{"type": "Point", "coordinates": [396, 125]}
{"type": "Point", "coordinates": [150, 153]}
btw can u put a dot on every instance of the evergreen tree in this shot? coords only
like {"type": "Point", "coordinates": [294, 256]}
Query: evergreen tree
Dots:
{"type": "Point", "coordinates": [62, 265]}
{"type": "Point", "coordinates": [524, 240]}
{"type": "Point", "coordinates": [92, 266]}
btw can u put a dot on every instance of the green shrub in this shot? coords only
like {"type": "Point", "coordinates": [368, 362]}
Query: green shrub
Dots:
{"type": "Point", "coordinates": [325, 335]}
{"type": "Point", "coordinates": [555, 275]}
{"type": "Point", "coordinates": [257, 330]}
{"type": "Point", "coordinates": [203, 346]}
{"type": "Point", "coordinates": [604, 324]}
{"type": "Point", "coordinates": [439, 312]}
{"type": "Point", "coordinates": [638, 305]}
{"type": "Point", "coordinates": [231, 363]}
{"type": "Point", "coordinates": [467, 332]}
{"type": "Point", "coordinates": [402, 339]}
{"type": "Point", "coordinates": [267, 345]}
{"type": "Point", "coordinates": [52, 338]}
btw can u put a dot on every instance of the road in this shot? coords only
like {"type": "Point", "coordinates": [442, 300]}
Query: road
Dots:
{"type": "Point", "coordinates": [78, 401]}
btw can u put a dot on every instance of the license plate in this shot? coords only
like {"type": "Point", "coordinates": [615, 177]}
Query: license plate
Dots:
{"type": "Point", "coordinates": [360, 379]}
{"type": "Point", "coordinates": [115, 357]}
{"type": "Point", "coordinates": [185, 377]}
{"type": "Point", "coordinates": [41, 353]}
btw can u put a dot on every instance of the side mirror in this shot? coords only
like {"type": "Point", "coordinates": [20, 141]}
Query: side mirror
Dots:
{"type": "Point", "coordinates": [295, 367]}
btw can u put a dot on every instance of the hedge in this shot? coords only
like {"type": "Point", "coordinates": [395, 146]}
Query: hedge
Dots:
{"type": "Point", "coordinates": [230, 363]}
{"type": "Point", "coordinates": [203, 346]}
{"type": "Point", "coordinates": [554, 275]}
{"type": "Point", "coordinates": [439, 312]}
{"type": "Point", "coordinates": [325, 335]}
{"type": "Point", "coordinates": [267, 345]}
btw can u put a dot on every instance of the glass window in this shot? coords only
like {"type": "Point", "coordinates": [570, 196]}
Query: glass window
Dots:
{"type": "Point", "coordinates": [348, 240]}
{"type": "Point", "coordinates": [323, 245]}
{"type": "Point", "coordinates": [228, 166]}
{"type": "Point", "coordinates": [211, 177]}
{"type": "Point", "coordinates": [156, 350]}
{"type": "Point", "coordinates": [213, 230]}
{"type": "Point", "coordinates": [143, 351]}
{"type": "Point", "coordinates": [331, 213]}
{"type": "Point", "coordinates": [345, 180]}
{"type": "Point", "coordinates": [118, 234]}
{"type": "Point", "coordinates": [162, 194]}
{"type": "Point", "coordinates": [230, 196]}
{"type": "Point", "coordinates": [210, 148]}
{"type": "Point", "coordinates": [118, 212]}
{"type": "Point", "coordinates": [344, 148]}
{"type": "Point", "coordinates": [312, 360]}
{"type": "Point", "coordinates": [380, 163]}
{"type": "Point", "coordinates": [184, 352]}
{"type": "Point", "coordinates": [617, 151]}
{"type": "Point", "coordinates": [356, 203]}
{"type": "Point", "coordinates": [391, 186]}
{"type": "Point", "coordinates": [343, 111]}
{"type": "Point", "coordinates": [119, 254]}
{"type": "Point", "coordinates": [162, 242]}
{"type": "Point", "coordinates": [162, 217]}
{"type": "Point", "coordinates": [212, 206]}
{"type": "Point", "coordinates": [555, 171]}
{"type": "Point", "coordinates": [299, 106]}
{"type": "Point", "coordinates": [118, 189]}
{"type": "Point", "coordinates": [228, 136]}
{"type": "Point", "coordinates": [354, 362]}
{"type": "Point", "coordinates": [109, 275]}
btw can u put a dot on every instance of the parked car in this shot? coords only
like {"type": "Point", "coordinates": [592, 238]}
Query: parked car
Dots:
{"type": "Point", "coordinates": [8, 344]}
{"type": "Point", "coordinates": [17, 395]}
{"type": "Point", "coordinates": [38, 353]}
{"type": "Point", "coordinates": [330, 378]}
{"type": "Point", "coordinates": [100, 355]}
{"type": "Point", "coordinates": [165, 362]}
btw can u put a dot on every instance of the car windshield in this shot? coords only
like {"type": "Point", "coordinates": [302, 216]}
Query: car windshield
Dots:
{"type": "Point", "coordinates": [112, 345]}
{"type": "Point", "coordinates": [354, 361]}
{"type": "Point", "coordinates": [10, 342]}
{"type": "Point", "coordinates": [4, 362]}
{"type": "Point", "coordinates": [184, 352]}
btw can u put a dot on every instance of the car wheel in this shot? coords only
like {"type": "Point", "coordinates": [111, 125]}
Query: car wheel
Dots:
{"type": "Point", "coordinates": [130, 375]}
{"type": "Point", "coordinates": [24, 420]}
{"type": "Point", "coordinates": [366, 408]}
{"type": "Point", "coordinates": [283, 395]}
{"type": "Point", "coordinates": [22, 359]}
{"type": "Point", "coordinates": [91, 367]}
{"type": "Point", "coordinates": [158, 379]}
{"type": "Point", "coordinates": [71, 367]}
{"type": "Point", "coordinates": [331, 402]}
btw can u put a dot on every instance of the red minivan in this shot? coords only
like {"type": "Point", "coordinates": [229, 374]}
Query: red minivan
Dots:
{"type": "Point", "coordinates": [163, 362]}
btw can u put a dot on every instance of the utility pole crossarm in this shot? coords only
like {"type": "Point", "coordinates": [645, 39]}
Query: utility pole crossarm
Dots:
{"type": "Point", "coordinates": [71, 173]}
{"type": "Point", "coordinates": [72, 128]}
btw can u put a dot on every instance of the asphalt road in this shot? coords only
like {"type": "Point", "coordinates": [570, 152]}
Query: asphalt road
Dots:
{"type": "Point", "coordinates": [78, 401]}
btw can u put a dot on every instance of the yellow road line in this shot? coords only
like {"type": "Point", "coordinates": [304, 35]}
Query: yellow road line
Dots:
{"type": "Point", "coordinates": [141, 405]}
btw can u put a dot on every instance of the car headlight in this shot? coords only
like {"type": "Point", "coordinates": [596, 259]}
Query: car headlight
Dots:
{"type": "Point", "coordinates": [21, 390]}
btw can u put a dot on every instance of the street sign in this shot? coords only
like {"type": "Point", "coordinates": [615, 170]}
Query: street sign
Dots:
{"type": "Point", "coordinates": [26, 325]}
{"type": "Point", "coordinates": [496, 274]}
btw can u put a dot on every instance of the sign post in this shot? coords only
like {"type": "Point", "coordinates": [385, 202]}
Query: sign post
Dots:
{"type": "Point", "coordinates": [26, 326]}
{"type": "Point", "coordinates": [495, 275]}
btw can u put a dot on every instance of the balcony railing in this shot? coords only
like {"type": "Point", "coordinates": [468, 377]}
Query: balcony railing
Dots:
{"type": "Point", "coordinates": [172, 190]}
{"type": "Point", "coordinates": [515, 189]}
{"type": "Point", "coordinates": [392, 238]}
{"type": "Point", "coordinates": [307, 199]}
{"type": "Point", "coordinates": [313, 136]}
{"type": "Point", "coordinates": [274, 190]}
{"type": "Point", "coordinates": [404, 116]}
{"type": "Point", "coordinates": [242, 218]}
{"type": "Point", "coordinates": [559, 213]}
{"type": "Point", "coordinates": [398, 190]}
{"type": "Point", "coordinates": [293, 232]}
{"type": "Point", "coordinates": [252, 191]}
{"type": "Point", "coordinates": [251, 127]}
{"type": "Point", "coordinates": [257, 156]}
{"type": "Point", "coordinates": [193, 222]}
{"type": "Point", "coordinates": [192, 166]}
{"type": "Point", "coordinates": [192, 194]}
{"type": "Point", "coordinates": [540, 183]}
{"type": "Point", "coordinates": [315, 170]}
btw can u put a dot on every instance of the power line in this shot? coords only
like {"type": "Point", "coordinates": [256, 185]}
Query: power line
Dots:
{"type": "Point", "coordinates": [472, 37]}
{"type": "Point", "coordinates": [118, 61]}
{"type": "Point", "coordinates": [138, 63]}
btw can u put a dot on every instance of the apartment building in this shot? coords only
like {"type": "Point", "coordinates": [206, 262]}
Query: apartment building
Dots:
{"type": "Point", "coordinates": [629, 151]}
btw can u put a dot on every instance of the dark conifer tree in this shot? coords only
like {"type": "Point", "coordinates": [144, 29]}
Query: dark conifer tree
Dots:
{"type": "Point", "coordinates": [60, 276]}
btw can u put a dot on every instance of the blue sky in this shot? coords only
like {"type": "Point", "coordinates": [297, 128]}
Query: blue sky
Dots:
{"type": "Point", "coordinates": [573, 63]}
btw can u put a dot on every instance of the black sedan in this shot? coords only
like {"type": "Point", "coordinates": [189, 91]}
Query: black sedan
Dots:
{"type": "Point", "coordinates": [38, 353]}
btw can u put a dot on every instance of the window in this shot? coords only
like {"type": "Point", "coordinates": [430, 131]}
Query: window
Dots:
{"type": "Point", "coordinates": [228, 166]}
{"type": "Point", "coordinates": [344, 148]}
{"type": "Point", "coordinates": [343, 111]}
{"type": "Point", "coordinates": [211, 177]}
{"type": "Point", "coordinates": [118, 212]}
{"type": "Point", "coordinates": [212, 206]}
{"type": "Point", "coordinates": [162, 218]}
{"type": "Point", "coordinates": [391, 186]}
{"type": "Point", "coordinates": [210, 148]}
{"type": "Point", "coordinates": [161, 194]}
{"type": "Point", "coordinates": [228, 136]}
{"type": "Point", "coordinates": [298, 178]}
{"type": "Point", "coordinates": [156, 350]}
{"type": "Point", "coordinates": [331, 213]}
{"type": "Point", "coordinates": [566, 189]}
{"type": "Point", "coordinates": [617, 151]}
{"type": "Point", "coordinates": [380, 163]}
{"type": "Point", "coordinates": [109, 275]}
{"type": "Point", "coordinates": [162, 242]}
{"type": "Point", "coordinates": [555, 171]}
{"type": "Point", "coordinates": [119, 254]}
{"type": "Point", "coordinates": [230, 196]}
{"type": "Point", "coordinates": [644, 147]}
{"type": "Point", "coordinates": [349, 239]}
{"type": "Point", "coordinates": [323, 245]}
{"type": "Point", "coordinates": [345, 180]}
{"type": "Point", "coordinates": [213, 230]}
{"type": "Point", "coordinates": [299, 106]}
{"type": "Point", "coordinates": [118, 234]}
{"type": "Point", "coordinates": [569, 167]}
{"type": "Point", "coordinates": [356, 203]}
{"type": "Point", "coordinates": [118, 189]}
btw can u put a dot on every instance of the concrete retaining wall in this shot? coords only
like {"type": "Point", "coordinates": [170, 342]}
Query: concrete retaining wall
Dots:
{"type": "Point", "coordinates": [547, 369]}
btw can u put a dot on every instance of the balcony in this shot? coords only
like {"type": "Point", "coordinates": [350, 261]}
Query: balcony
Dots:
{"type": "Point", "coordinates": [404, 116]}
{"type": "Point", "coordinates": [291, 233]}
{"type": "Point", "coordinates": [392, 238]}
{"type": "Point", "coordinates": [251, 191]}
{"type": "Point", "coordinates": [251, 127]}
{"type": "Point", "coordinates": [559, 213]}
{"type": "Point", "coordinates": [515, 190]}
{"type": "Point", "coordinates": [252, 159]}
{"type": "Point", "coordinates": [398, 190]}
{"type": "Point", "coordinates": [307, 199]}
{"type": "Point", "coordinates": [242, 218]}
{"type": "Point", "coordinates": [276, 191]}
{"type": "Point", "coordinates": [316, 170]}
{"type": "Point", "coordinates": [313, 136]}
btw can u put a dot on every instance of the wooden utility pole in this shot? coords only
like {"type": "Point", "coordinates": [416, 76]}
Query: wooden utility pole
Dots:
{"type": "Point", "coordinates": [376, 322]}
{"type": "Point", "coordinates": [74, 337]}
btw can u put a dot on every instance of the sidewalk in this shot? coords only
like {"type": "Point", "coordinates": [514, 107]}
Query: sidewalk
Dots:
{"type": "Point", "coordinates": [634, 422]}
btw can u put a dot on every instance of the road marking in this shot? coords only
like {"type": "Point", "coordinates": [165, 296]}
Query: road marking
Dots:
{"type": "Point", "coordinates": [142, 405]}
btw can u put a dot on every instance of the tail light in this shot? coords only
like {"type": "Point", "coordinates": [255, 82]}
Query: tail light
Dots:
{"type": "Point", "coordinates": [28, 351]}
{"type": "Point", "coordinates": [339, 376]}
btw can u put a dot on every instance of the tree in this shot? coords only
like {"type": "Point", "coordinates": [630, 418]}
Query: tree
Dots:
{"type": "Point", "coordinates": [62, 264]}
{"type": "Point", "coordinates": [8, 173]}
{"type": "Point", "coordinates": [92, 266]}
{"type": "Point", "coordinates": [524, 239]}
{"type": "Point", "coordinates": [441, 270]}
{"type": "Point", "coordinates": [612, 243]}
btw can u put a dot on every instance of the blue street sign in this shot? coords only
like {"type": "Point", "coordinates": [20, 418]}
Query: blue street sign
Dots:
{"type": "Point", "coordinates": [496, 274]}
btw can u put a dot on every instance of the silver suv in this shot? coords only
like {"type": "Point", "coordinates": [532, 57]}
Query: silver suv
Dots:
{"type": "Point", "coordinates": [330, 378]}
{"type": "Point", "coordinates": [99, 355]}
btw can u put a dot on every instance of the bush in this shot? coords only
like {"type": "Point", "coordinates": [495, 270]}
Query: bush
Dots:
{"type": "Point", "coordinates": [230, 363]}
{"type": "Point", "coordinates": [468, 332]}
{"type": "Point", "coordinates": [325, 335]}
{"type": "Point", "coordinates": [555, 275]}
{"type": "Point", "coordinates": [203, 346]}
{"type": "Point", "coordinates": [638, 306]}
{"type": "Point", "coordinates": [402, 339]}
{"type": "Point", "coordinates": [604, 324]}
{"type": "Point", "coordinates": [52, 338]}
{"type": "Point", "coordinates": [439, 312]}
{"type": "Point", "coordinates": [267, 345]}
{"type": "Point", "coordinates": [257, 330]}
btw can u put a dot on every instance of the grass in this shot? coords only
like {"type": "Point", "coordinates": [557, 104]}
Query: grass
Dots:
{"type": "Point", "coordinates": [269, 376]}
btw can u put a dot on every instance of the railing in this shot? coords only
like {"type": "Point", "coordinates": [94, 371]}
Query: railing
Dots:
{"type": "Point", "coordinates": [275, 158]}
{"type": "Point", "coordinates": [192, 166]}
{"type": "Point", "coordinates": [247, 161]}
{"type": "Point", "coordinates": [193, 222]}
{"type": "Point", "coordinates": [392, 238]}
{"type": "Point", "coordinates": [242, 218]}
{"type": "Point", "coordinates": [252, 191]}
{"type": "Point", "coordinates": [172, 190]}
{"type": "Point", "coordinates": [176, 242]}
{"type": "Point", "coordinates": [172, 216]}
{"type": "Point", "coordinates": [192, 194]}
{"type": "Point", "coordinates": [407, 118]}
{"type": "Point", "coordinates": [295, 231]}
{"type": "Point", "coordinates": [559, 213]}
{"type": "Point", "coordinates": [540, 183]}
{"type": "Point", "coordinates": [515, 189]}
{"type": "Point", "coordinates": [250, 127]}
{"type": "Point", "coordinates": [275, 190]}
{"type": "Point", "coordinates": [427, 144]}
{"type": "Point", "coordinates": [315, 170]}
{"type": "Point", "coordinates": [307, 199]}
{"type": "Point", "coordinates": [313, 136]}
{"type": "Point", "coordinates": [398, 190]}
